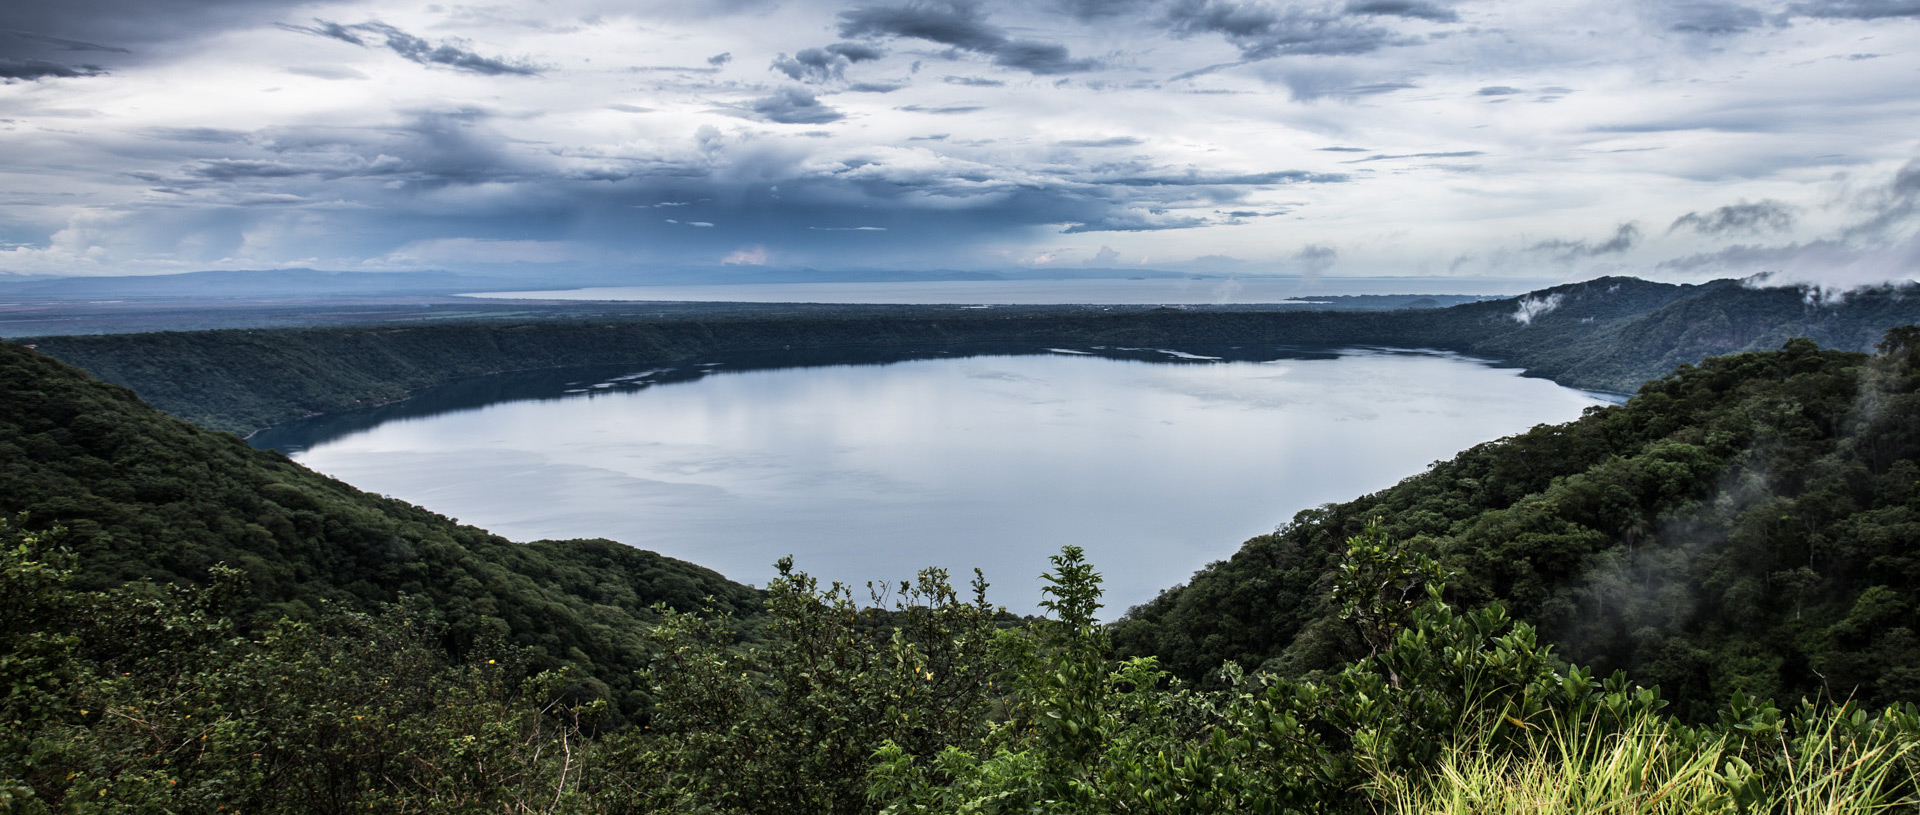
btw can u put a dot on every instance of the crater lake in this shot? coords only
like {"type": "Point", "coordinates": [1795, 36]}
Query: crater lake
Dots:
{"type": "Point", "coordinates": [1156, 461]}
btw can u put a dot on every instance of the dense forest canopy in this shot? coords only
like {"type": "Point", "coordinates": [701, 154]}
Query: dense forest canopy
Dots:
{"type": "Point", "coordinates": [1745, 525]}
{"type": "Point", "coordinates": [144, 496]}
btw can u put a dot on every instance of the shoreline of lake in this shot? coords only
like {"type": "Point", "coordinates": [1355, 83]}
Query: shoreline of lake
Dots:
{"type": "Point", "coordinates": [732, 487]}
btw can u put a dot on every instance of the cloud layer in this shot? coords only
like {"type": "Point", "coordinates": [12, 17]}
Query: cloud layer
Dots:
{"type": "Point", "coordinates": [1679, 139]}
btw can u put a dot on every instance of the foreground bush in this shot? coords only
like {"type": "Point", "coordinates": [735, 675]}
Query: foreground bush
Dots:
{"type": "Point", "coordinates": [143, 699]}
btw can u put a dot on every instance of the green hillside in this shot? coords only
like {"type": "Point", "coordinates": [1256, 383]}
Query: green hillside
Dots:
{"type": "Point", "coordinates": [145, 496]}
{"type": "Point", "coordinates": [1607, 334]}
{"type": "Point", "coordinates": [1751, 524]}
{"type": "Point", "coordinates": [1615, 333]}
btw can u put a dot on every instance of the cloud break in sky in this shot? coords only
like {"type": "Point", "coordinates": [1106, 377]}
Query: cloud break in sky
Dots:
{"type": "Point", "coordinates": [1680, 140]}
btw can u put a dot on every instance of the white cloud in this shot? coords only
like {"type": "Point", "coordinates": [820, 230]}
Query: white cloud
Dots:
{"type": "Point", "coordinates": [1467, 130]}
{"type": "Point", "coordinates": [749, 256]}
{"type": "Point", "coordinates": [78, 248]}
{"type": "Point", "coordinates": [443, 251]}
{"type": "Point", "coordinates": [1532, 308]}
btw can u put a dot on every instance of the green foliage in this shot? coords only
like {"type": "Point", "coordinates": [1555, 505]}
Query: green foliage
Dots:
{"type": "Point", "coordinates": [789, 725]}
{"type": "Point", "coordinates": [144, 497]}
{"type": "Point", "coordinates": [143, 699]}
{"type": "Point", "coordinates": [1480, 720]}
{"type": "Point", "coordinates": [1744, 525]}
{"type": "Point", "coordinates": [1379, 584]}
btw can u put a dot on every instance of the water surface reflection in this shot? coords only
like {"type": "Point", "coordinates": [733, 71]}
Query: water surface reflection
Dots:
{"type": "Point", "coordinates": [873, 471]}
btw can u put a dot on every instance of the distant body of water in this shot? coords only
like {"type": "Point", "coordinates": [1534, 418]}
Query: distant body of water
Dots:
{"type": "Point", "coordinates": [870, 472]}
{"type": "Point", "coordinates": [1191, 291]}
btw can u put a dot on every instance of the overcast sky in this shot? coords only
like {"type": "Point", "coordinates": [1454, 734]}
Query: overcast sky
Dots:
{"type": "Point", "coordinates": [1682, 140]}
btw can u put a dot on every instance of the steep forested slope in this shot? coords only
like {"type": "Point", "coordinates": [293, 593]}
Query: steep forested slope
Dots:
{"type": "Point", "coordinates": [144, 495]}
{"type": "Point", "coordinates": [1750, 524]}
{"type": "Point", "coordinates": [1615, 333]}
{"type": "Point", "coordinates": [1606, 334]}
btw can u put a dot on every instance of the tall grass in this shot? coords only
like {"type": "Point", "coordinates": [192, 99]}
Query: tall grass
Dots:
{"type": "Point", "coordinates": [1653, 766]}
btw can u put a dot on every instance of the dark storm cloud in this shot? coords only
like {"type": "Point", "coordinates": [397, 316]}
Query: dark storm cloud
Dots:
{"type": "Point", "coordinates": [818, 212]}
{"type": "Point", "coordinates": [1374, 89]}
{"type": "Point", "coordinates": [827, 63]}
{"type": "Point", "coordinates": [811, 65]}
{"type": "Point", "coordinates": [330, 30]}
{"type": "Point", "coordinates": [1086, 10]}
{"type": "Point", "coordinates": [68, 45]}
{"type": "Point", "coordinates": [1710, 17]}
{"type": "Point", "coordinates": [1750, 218]}
{"type": "Point", "coordinates": [450, 147]}
{"type": "Point", "coordinates": [792, 106]}
{"type": "Point", "coordinates": [1856, 9]}
{"type": "Point", "coordinates": [237, 169]}
{"type": "Point", "coordinates": [1624, 237]}
{"type": "Point", "coordinates": [1892, 205]}
{"type": "Point", "coordinates": [431, 149]}
{"type": "Point", "coordinates": [1040, 58]}
{"type": "Point", "coordinates": [857, 51]}
{"type": "Point", "coordinates": [1748, 259]}
{"type": "Point", "coordinates": [1404, 8]}
{"type": "Point", "coordinates": [204, 135]}
{"type": "Point", "coordinates": [875, 87]}
{"type": "Point", "coordinates": [450, 53]}
{"type": "Point", "coordinates": [13, 70]}
{"type": "Point", "coordinates": [1906, 183]}
{"type": "Point", "coordinates": [121, 28]}
{"type": "Point", "coordinates": [1116, 141]}
{"type": "Point", "coordinates": [338, 162]}
{"type": "Point", "coordinates": [1261, 31]}
{"type": "Point", "coordinates": [960, 24]}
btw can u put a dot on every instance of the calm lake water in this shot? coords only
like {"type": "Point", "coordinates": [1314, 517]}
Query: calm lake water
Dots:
{"type": "Point", "coordinates": [870, 472]}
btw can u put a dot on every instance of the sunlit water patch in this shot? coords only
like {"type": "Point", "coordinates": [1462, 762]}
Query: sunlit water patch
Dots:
{"type": "Point", "coordinates": [870, 472]}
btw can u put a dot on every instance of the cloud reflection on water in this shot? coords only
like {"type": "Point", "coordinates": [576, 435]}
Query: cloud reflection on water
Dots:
{"type": "Point", "coordinates": [871, 472]}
